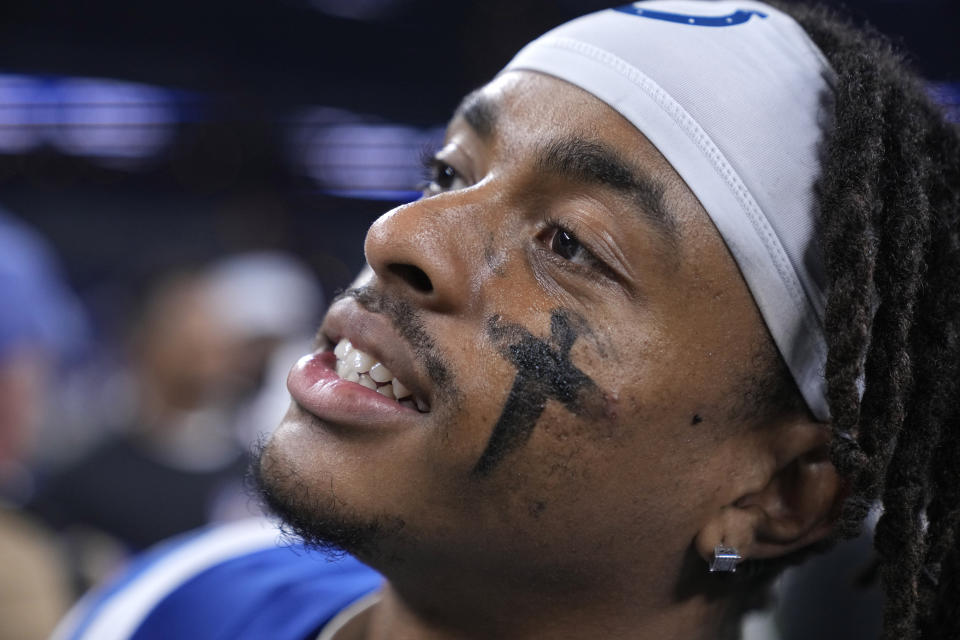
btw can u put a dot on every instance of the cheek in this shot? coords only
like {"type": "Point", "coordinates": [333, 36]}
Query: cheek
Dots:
{"type": "Point", "coordinates": [680, 377]}
{"type": "Point", "coordinates": [655, 438]}
{"type": "Point", "coordinates": [587, 488]}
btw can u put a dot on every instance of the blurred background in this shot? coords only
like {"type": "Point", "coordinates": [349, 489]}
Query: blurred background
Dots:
{"type": "Point", "coordinates": [183, 186]}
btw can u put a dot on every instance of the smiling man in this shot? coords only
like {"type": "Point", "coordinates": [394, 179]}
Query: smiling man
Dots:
{"type": "Point", "coordinates": [572, 332]}
{"type": "Point", "coordinates": [678, 305]}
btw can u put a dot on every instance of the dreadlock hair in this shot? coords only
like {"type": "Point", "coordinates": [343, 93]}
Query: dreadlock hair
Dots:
{"type": "Point", "coordinates": [889, 209]}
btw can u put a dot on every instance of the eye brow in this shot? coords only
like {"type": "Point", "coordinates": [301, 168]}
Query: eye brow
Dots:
{"type": "Point", "coordinates": [595, 162]}
{"type": "Point", "coordinates": [480, 113]}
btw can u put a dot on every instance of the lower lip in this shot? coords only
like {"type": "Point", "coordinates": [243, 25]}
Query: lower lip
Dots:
{"type": "Point", "coordinates": [314, 385]}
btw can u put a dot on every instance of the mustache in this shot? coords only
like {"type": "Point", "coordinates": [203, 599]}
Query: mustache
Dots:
{"type": "Point", "coordinates": [408, 322]}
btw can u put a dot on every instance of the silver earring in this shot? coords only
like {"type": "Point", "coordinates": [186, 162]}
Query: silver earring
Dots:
{"type": "Point", "coordinates": [725, 559]}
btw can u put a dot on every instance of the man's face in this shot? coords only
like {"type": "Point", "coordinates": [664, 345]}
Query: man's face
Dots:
{"type": "Point", "coordinates": [581, 338]}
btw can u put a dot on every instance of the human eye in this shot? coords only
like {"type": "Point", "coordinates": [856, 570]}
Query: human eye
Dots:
{"type": "Point", "coordinates": [564, 244]}
{"type": "Point", "coordinates": [580, 249]}
{"type": "Point", "coordinates": [439, 176]}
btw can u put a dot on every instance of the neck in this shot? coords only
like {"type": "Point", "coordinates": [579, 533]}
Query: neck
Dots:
{"type": "Point", "coordinates": [530, 617]}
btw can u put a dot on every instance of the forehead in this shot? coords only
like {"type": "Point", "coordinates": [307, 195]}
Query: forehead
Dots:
{"type": "Point", "coordinates": [514, 118]}
{"type": "Point", "coordinates": [523, 107]}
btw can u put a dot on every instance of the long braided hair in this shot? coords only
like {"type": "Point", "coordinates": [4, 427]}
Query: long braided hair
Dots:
{"type": "Point", "coordinates": [890, 230]}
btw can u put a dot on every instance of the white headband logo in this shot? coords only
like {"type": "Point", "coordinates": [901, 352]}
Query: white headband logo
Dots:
{"type": "Point", "coordinates": [737, 17]}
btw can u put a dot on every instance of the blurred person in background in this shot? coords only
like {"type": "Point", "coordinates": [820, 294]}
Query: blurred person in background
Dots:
{"type": "Point", "coordinates": [269, 303]}
{"type": "Point", "coordinates": [41, 322]}
{"type": "Point", "coordinates": [198, 349]}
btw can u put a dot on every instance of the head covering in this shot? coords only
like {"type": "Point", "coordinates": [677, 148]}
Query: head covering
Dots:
{"type": "Point", "coordinates": [736, 97]}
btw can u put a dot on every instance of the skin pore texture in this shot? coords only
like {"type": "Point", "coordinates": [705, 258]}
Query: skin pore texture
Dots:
{"type": "Point", "coordinates": [585, 312]}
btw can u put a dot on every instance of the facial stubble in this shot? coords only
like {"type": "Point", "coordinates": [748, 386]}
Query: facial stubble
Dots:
{"type": "Point", "coordinates": [319, 518]}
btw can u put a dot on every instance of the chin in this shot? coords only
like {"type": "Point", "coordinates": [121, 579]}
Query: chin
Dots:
{"type": "Point", "coordinates": [321, 519]}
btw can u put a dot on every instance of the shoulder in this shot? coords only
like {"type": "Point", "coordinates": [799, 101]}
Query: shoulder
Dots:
{"type": "Point", "coordinates": [238, 581]}
{"type": "Point", "coordinates": [34, 590]}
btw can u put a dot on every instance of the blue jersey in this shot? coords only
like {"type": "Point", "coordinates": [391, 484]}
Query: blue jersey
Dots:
{"type": "Point", "coordinates": [237, 582]}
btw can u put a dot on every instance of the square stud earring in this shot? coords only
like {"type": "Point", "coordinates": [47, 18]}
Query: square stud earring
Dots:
{"type": "Point", "coordinates": [724, 559]}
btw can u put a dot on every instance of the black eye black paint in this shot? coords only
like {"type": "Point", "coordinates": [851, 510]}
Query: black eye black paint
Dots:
{"type": "Point", "coordinates": [544, 372]}
{"type": "Point", "coordinates": [696, 419]}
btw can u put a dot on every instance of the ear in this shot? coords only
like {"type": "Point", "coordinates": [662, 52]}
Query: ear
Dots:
{"type": "Point", "coordinates": [794, 502]}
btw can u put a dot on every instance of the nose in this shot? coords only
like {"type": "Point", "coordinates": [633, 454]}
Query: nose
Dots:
{"type": "Point", "coordinates": [422, 249]}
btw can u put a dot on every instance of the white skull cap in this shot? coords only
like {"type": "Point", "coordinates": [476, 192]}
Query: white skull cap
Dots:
{"type": "Point", "coordinates": [736, 97]}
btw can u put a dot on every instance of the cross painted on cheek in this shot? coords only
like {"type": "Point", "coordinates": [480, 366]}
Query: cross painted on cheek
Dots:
{"type": "Point", "coordinates": [544, 372]}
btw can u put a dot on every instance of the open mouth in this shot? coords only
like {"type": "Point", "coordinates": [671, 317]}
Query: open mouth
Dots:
{"type": "Point", "coordinates": [358, 366]}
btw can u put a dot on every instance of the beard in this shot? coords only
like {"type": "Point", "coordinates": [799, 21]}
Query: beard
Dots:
{"type": "Point", "coordinates": [320, 519]}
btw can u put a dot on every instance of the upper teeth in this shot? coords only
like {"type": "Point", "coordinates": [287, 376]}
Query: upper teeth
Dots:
{"type": "Point", "coordinates": [360, 367]}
